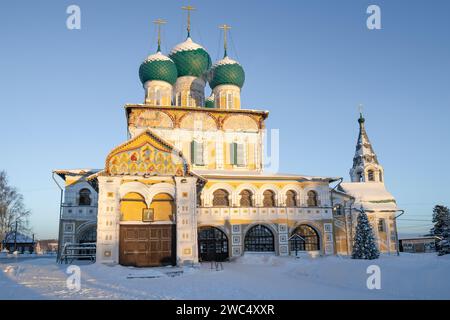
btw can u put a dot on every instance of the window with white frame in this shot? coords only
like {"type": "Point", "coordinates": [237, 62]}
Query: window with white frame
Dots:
{"type": "Point", "coordinates": [197, 153]}
{"type": "Point", "coordinates": [229, 100]}
{"type": "Point", "coordinates": [157, 96]}
{"type": "Point", "coordinates": [237, 154]}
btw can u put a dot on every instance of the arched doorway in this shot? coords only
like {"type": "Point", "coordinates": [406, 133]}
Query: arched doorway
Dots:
{"type": "Point", "coordinates": [88, 235]}
{"type": "Point", "coordinates": [259, 239]}
{"type": "Point", "coordinates": [212, 244]}
{"type": "Point", "coordinates": [307, 239]}
{"type": "Point", "coordinates": [147, 233]}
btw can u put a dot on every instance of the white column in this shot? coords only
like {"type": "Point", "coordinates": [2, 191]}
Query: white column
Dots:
{"type": "Point", "coordinates": [186, 219]}
{"type": "Point", "coordinates": [108, 220]}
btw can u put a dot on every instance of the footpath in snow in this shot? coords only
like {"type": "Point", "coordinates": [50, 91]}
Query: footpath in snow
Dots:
{"type": "Point", "coordinates": [253, 276]}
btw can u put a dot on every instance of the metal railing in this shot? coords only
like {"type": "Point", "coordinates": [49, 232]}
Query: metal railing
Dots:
{"type": "Point", "coordinates": [77, 251]}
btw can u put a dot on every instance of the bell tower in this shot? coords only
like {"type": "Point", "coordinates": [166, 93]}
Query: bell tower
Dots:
{"type": "Point", "coordinates": [366, 167]}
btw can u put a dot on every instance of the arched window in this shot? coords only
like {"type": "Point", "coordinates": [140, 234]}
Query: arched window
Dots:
{"type": "Point", "coordinates": [380, 176]}
{"type": "Point", "coordinates": [359, 177]}
{"type": "Point", "coordinates": [269, 198]}
{"type": "Point", "coordinates": [85, 197]}
{"type": "Point", "coordinates": [338, 210]}
{"type": "Point", "coordinates": [312, 199]}
{"type": "Point", "coordinates": [259, 239]}
{"type": "Point", "coordinates": [370, 175]}
{"type": "Point", "coordinates": [304, 238]}
{"type": "Point", "coordinates": [157, 96]}
{"type": "Point", "coordinates": [291, 200]}
{"type": "Point", "coordinates": [220, 198]}
{"type": "Point", "coordinates": [381, 226]}
{"type": "Point", "coordinates": [246, 198]}
{"type": "Point", "coordinates": [199, 199]}
{"type": "Point", "coordinates": [212, 244]}
{"type": "Point", "coordinates": [229, 97]}
{"type": "Point", "coordinates": [88, 236]}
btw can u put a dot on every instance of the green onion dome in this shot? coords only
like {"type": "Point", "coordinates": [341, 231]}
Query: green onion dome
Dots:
{"type": "Point", "coordinates": [190, 58]}
{"type": "Point", "coordinates": [158, 67]}
{"type": "Point", "coordinates": [226, 71]}
{"type": "Point", "coordinates": [209, 102]}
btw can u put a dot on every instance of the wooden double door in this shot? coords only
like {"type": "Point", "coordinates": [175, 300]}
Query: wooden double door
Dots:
{"type": "Point", "coordinates": [147, 245]}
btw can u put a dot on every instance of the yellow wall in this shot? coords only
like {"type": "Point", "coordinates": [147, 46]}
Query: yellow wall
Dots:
{"type": "Point", "coordinates": [164, 207]}
{"type": "Point", "coordinates": [131, 207]}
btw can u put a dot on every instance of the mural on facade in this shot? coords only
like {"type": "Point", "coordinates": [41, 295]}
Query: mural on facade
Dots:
{"type": "Point", "coordinates": [146, 155]}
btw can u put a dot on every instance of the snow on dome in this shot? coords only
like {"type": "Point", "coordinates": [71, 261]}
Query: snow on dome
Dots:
{"type": "Point", "coordinates": [187, 45]}
{"type": "Point", "coordinates": [224, 61]}
{"type": "Point", "coordinates": [157, 57]}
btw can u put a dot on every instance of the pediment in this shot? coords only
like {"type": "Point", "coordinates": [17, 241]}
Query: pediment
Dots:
{"type": "Point", "coordinates": [146, 154]}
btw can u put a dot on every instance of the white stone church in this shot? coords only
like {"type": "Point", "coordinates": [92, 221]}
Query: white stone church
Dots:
{"type": "Point", "coordinates": [188, 183]}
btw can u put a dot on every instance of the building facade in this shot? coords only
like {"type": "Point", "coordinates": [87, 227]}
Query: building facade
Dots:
{"type": "Point", "coordinates": [189, 184]}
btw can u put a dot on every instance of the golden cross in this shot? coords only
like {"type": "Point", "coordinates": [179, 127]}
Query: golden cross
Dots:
{"type": "Point", "coordinates": [225, 29]}
{"type": "Point", "coordinates": [360, 108]}
{"type": "Point", "coordinates": [159, 22]}
{"type": "Point", "coordinates": [188, 9]}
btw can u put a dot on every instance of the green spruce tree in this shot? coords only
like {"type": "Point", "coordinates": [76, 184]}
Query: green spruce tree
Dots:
{"type": "Point", "coordinates": [364, 246]}
{"type": "Point", "coordinates": [441, 229]}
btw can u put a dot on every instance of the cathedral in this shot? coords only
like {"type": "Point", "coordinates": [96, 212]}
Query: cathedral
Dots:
{"type": "Point", "coordinates": [189, 184]}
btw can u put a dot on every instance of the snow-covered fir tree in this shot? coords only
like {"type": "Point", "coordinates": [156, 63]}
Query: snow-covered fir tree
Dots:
{"type": "Point", "coordinates": [441, 229]}
{"type": "Point", "coordinates": [364, 246]}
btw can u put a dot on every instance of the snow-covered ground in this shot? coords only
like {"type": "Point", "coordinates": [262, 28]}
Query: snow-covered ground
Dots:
{"type": "Point", "coordinates": [410, 276]}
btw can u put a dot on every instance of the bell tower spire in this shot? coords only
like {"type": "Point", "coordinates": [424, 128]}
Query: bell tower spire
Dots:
{"type": "Point", "coordinates": [366, 167]}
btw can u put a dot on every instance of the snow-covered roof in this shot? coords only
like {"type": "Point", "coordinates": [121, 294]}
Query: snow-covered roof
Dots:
{"type": "Point", "coordinates": [157, 57]}
{"type": "Point", "coordinates": [261, 175]}
{"type": "Point", "coordinates": [21, 238]}
{"type": "Point", "coordinates": [373, 196]}
{"type": "Point", "coordinates": [187, 45]}
{"type": "Point", "coordinates": [226, 60]}
{"type": "Point", "coordinates": [75, 172]}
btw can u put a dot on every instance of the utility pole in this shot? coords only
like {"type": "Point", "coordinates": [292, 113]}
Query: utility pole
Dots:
{"type": "Point", "coordinates": [397, 243]}
{"type": "Point", "coordinates": [15, 238]}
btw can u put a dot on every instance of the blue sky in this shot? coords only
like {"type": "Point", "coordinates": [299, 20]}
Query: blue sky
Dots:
{"type": "Point", "coordinates": [310, 63]}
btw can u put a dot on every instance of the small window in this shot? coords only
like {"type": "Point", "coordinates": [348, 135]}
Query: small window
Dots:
{"type": "Point", "coordinates": [197, 153]}
{"type": "Point", "coordinates": [269, 198]}
{"type": "Point", "coordinates": [359, 176]}
{"type": "Point", "coordinates": [199, 199]}
{"type": "Point", "coordinates": [220, 198]}
{"type": "Point", "coordinates": [380, 176]}
{"type": "Point", "coordinates": [381, 227]}
{"type": "Point", "coordinates": [237, 154]}
{"type": "Point", "coordinates": [85, 197]}
{"type": "Point", "coordinates": [291, 198]}
{"type": "Point", "coordinates": [157, 96]}
{"type": "Point", "coordinates": [338, 210]}
{"type": "Point", "coordinates": [370, 175]}
{"type": "Point", "coordinates": [312, 199]}
{"type": "Point", "coordinates": [229, 100]}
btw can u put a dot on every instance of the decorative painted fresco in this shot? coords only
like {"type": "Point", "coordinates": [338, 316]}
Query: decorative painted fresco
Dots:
{"type": "Point", "coordinates": [146, 155]}
{"type": "Point", "coordinates": [150, 118]}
